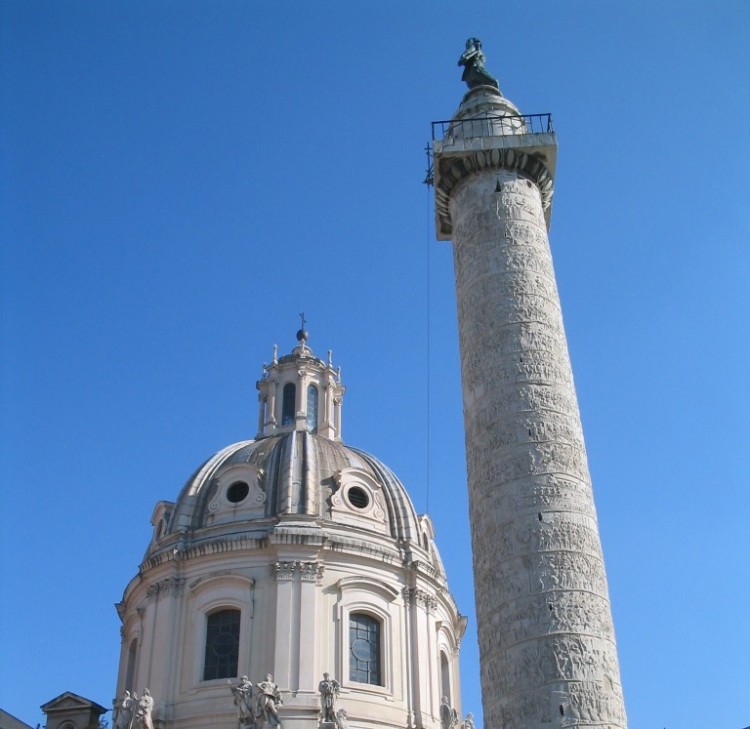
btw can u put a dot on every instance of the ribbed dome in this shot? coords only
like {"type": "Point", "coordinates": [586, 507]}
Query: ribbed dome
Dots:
{"type": "Point", "coordinates": [297, 476]}
{"type": "Point", "coordinates": [295, 483]}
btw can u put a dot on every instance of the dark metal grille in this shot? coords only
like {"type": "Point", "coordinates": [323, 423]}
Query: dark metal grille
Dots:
{"type": "Point", "coordinates": [222, 645]}
{"type": "Point", "coordinates": [364, 649]}
{"type": "Point", "coordinates": [508, 124]}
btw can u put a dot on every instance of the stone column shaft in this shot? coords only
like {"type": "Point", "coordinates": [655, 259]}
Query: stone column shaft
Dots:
{"type": "Point", "coordinates": [547, 650]}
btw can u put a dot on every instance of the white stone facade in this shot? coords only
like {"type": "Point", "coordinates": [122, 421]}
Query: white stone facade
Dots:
{"type": "Point", "coordinates": [547, 646]}
{"type": "Point", "coordinates": [296, 537]}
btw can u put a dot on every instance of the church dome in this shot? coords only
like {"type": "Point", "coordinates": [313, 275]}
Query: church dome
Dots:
{"type": "Point", "coordinates": [297, 476]}
{"type": "Point", "coordinates": [294, 556]}
{"type": "Point", "coordinates": [296, 473]}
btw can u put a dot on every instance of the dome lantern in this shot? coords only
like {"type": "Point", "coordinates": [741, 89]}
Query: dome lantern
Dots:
{"type": "Point", "coordinates": [299, 392]}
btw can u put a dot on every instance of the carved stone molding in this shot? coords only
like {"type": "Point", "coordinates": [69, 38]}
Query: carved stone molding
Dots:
{"type": "Point", "coordinates": [187, 551]}
{"type": "Point", "coordinates": [169, 587]}
{"type": "Point", "coordinates": [283, 570]}
{"type": "Point", "coordinates": [307, 571]}
{"type": "Point", "coordinates": [454, 170]}
{"type": "Point", "coordinates": [419, 565]}
{"type": "Point", "coordinates": [415, 596]}
{"type": "Point", "coordinates": [311, 571]}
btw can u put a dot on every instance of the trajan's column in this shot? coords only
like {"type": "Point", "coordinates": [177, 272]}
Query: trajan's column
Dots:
{"type": "Point", "coordinates": [547, 645]}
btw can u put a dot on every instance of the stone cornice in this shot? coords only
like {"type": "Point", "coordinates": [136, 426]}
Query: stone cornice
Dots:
{"type": "Point", "coordinates": [421, 566]}
{"type": "Point", "coordinates": [219, 545]}
{"type": "Point", "coordinates": [454, 169]}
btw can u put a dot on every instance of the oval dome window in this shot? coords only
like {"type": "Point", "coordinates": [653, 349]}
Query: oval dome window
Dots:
{"type": "Point", "coordinates": [237, 492]}
{"type": "Point", "coordinates": [358, 497]}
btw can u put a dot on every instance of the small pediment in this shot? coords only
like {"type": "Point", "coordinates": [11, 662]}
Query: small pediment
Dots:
{"type": "Point", "coordinates": [69, 701]}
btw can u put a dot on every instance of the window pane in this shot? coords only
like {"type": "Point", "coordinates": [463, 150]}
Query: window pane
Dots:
{"type": "Point", "coordinates": [364, 649]}
{"type": "Point", "coordinates": [287, 403]}
{"type": "Point", "coordinates": [312, 408]}
{"type": "Point", "coordinates": [222, 645]}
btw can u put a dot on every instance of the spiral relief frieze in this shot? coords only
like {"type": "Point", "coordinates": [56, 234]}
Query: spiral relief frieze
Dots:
{"type": "Point", "coordinates": [545, 629]}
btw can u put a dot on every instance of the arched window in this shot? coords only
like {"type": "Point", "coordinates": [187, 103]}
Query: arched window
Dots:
{"type": "Point", "coordinates": [445, 678]}
{"type": "Point", "coordinates": [222, 645]}
{"type": "Point", "coordinates": [130, 669]}
{"type": "Point", "coordinates": [364, 649]}
{"type": "Point", "coordinates": [288, 403]}
{"type": "Point", "coordinates": [312, 408]}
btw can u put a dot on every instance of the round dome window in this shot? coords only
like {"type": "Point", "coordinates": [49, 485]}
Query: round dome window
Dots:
{"type": "Point", "coordinates": [358, 497]}
{"type": "Point", "coordinates": [237, 492]}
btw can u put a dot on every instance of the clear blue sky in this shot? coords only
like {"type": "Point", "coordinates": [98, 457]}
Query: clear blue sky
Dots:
{"type": "Point", "coordinates": [181, 178]}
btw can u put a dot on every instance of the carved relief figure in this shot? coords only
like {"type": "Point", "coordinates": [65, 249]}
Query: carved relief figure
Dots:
{"type": "Point", "coordinates": [243, 695]}
{"type": "Point", "coordinates": [329, 690]}
{"type": "Point", "coordinates": [269, 699]}
{"type": "Point", "coordinates": [472, 59]}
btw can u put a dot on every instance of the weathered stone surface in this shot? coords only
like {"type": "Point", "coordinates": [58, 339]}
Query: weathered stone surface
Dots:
{"type": "Point", "coordinates": [545, 629]}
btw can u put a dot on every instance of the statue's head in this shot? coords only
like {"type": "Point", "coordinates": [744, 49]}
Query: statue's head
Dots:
{"type": "Point", "coordinates": [325, 676]}
{"type": "Point", "coordinates": [244, 679]}
{"type": "Point", "coordinates": [269, 677]}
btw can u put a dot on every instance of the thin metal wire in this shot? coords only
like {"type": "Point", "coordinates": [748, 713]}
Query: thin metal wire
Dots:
{"type": "Point", "coordinates": [429, 358]}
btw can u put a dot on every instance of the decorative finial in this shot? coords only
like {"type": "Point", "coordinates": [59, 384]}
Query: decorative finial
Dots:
{"type": "Point", "coordinates": [275, 359]}
{"type": "Point", "coordinates": [472, 59]}
{"type": "Point", "coordinates": [330, 358]}
{"type": "Point", "coordinates": [302, 335]}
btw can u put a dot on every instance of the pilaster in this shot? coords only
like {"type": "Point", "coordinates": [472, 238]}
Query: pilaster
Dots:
{"type": "Point", "coordinates": [285, 628]}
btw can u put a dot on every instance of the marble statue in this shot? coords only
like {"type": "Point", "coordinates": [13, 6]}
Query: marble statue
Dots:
{"type": "Point", "coordinates": [475, 73]}
{"type": "Point", "coordinates": [342, 719]}
{"type": "Point", "coordinates": [448, 715]}
{"type": "Point", "coordinates": [468, 721]}
{"type": "Point", "coordinates": [243, 700]}
{"type": "Point", "coordinates": [122, 712]}
{"type": "Point", "coordinates": [145, 707]}
{"type": "Point", "coordinates": [268, 700]}
{"type": "Point", "coordinates": [329, 689]}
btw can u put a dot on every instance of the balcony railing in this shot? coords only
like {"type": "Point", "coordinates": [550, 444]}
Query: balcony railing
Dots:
{"type": "Point", "coordinates": [491, 125]}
